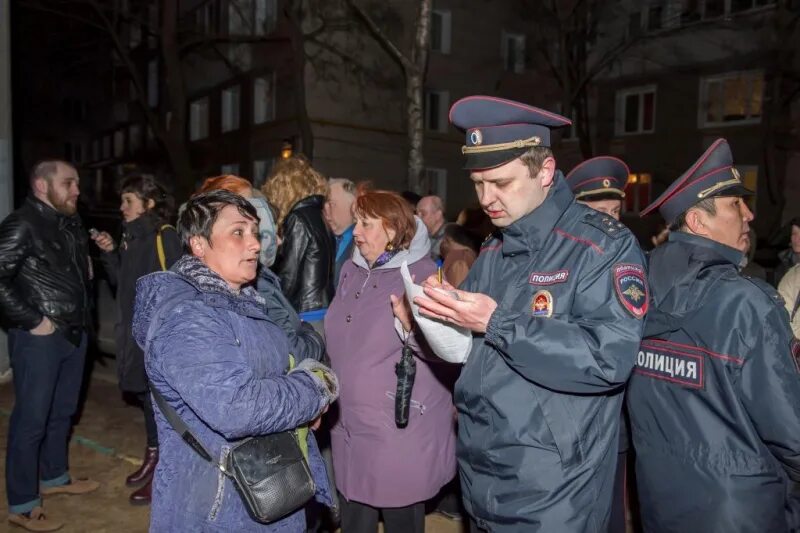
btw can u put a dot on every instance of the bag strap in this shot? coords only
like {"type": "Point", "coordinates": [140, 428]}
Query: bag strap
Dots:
{"type": "Point", "coordinates": [162, 257]}
{"type": "Point", "coordinates": [796, 306]}
{"type": "Point", "coordinates": [181, 428]}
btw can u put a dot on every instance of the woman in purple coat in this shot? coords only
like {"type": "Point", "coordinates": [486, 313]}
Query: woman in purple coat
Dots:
{"type": "Point", "coordinates": [381, 469]}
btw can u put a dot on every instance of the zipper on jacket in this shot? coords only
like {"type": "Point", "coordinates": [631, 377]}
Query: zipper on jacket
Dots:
{"type": "Point", "coordinates": [223, 458]}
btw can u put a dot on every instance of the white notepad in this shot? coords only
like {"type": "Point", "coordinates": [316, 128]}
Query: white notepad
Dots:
{"type": "Point", "coordinates": [448, 341]}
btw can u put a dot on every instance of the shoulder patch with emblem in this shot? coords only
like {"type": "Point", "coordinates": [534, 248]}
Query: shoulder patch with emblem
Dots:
{"type": "Point", "coordinates": [630, 284]}
{"type": "Point", "coordinates": [608, 225]}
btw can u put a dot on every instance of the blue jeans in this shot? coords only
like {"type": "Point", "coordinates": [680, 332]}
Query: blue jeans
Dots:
{"type": "Point", "coordinates": [48, 371]}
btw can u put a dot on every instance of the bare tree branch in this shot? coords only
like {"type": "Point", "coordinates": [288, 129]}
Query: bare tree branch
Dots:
{"type": "Point", "coordinates": [383, 40]}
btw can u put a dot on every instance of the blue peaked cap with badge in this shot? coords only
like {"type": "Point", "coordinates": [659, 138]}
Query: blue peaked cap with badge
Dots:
{"type": "Point", "coordinates": [711, 175]}
{"type": "Point", "coordinates": [603, 175]}
{"type": "Point", "coordinates": [499, 131]}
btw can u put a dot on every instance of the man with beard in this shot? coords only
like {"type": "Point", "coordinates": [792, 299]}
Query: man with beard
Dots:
{"type": "Point", "coordinates": [714, 399]}
{"type": "Point", "coordinates": [44, 301]}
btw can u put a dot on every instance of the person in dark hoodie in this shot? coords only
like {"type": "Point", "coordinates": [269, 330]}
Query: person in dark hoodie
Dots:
{"type": "Point", "coordinates": [148, 244]}
{"type": "Point", "coordinates": [714, 399]}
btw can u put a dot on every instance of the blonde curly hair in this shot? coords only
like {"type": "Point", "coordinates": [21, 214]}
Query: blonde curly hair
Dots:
{"type": "Point", "coordinates": [290, 181]}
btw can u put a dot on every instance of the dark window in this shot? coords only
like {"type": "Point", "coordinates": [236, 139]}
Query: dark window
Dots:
{"type": "Point", "coordinates": [436, 31]}
{"type": "Point", "coordinates": [648, 111]}
{"type": "Point", "coordinates": [690, 11]}
{"type": "Point", "coordinates": [714, 9]}
{"type": "Point", "coordinates": [741, 5]}
{"type": "Point", "coordinates": [654, 18]}
{"type": "Point", "coordinates": [631, 113]}
{"type": "Point", "coordinates": [635, 23]}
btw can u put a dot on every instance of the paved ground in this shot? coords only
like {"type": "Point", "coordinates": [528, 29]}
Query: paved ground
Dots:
{"type": "Point", "coordinates": [108, 440]}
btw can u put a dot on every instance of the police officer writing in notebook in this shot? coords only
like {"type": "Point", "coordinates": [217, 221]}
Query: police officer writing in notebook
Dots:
{"type": "Point", "coordinates": [555, 302]}
{"type": "Point", "coordinates": [714, 399]}
{"type": "Point", "coordinates": [600, 183]}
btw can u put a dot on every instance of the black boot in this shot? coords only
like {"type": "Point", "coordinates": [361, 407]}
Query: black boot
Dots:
{"type": "Point", "coordinates": [145, 471]}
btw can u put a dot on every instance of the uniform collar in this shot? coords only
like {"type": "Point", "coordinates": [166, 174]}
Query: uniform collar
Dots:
{"type": "Point", "coordinates": [713, 248]}
{"type": "Point", "coordinates": [529, 232]}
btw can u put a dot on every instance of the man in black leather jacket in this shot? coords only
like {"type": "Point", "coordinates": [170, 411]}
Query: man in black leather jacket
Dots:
{"type": "Point", "coordinates": [44, 301]}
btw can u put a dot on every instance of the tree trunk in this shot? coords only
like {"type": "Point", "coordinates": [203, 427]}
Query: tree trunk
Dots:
{"type": "Point", "coordinates": [415, 88]}
{"type": "Point", "coordinates": [295, 14]}
{"type": "Point", "coordinates": [416, 133]}
{"type": "Point", "coordinates": [173, 135]}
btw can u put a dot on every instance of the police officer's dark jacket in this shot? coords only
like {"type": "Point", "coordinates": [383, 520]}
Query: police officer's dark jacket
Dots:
{"type": "Point", "coordinates": [539, 397]}
{"type": "Point", "coordinates": [44, 265]}
{"type": "Point", "coordinates": [714, 399]}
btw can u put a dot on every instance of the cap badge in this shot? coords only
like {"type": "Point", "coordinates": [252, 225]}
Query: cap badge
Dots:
{"type": "Point", "coordinates": [542, 304]}
{"type": "Point", "coordinates": [476, 137]}
{"type": "Point", "coordinates": [606, 183]}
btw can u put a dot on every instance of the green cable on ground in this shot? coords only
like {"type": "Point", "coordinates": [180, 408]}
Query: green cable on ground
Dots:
{"type": "Point", "coordinates": [95, 446]}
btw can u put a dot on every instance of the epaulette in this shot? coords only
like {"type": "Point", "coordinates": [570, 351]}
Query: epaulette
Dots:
{"type": "Point", "coordinates": [487, 240]}
{"type": "Point", "coordinates": [608, 225]}
{"type": "Point", "coordinates": [767, 289]}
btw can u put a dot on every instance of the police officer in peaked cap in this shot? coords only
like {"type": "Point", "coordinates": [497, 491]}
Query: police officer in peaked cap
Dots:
{"type": "Point", "coordinates": [600, 183]}
{"type": "Point", "coordinates": [556, 302]}
{"type": "Point", "coordinates": [714, 400]}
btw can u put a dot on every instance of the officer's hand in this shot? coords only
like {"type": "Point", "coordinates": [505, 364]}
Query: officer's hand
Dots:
{"type": "Point", "coordinates": [104, 241]}
{"type": "Point", "coordinates": [471, 310]}
{"type": "Point", "coordinates": [402, 311]}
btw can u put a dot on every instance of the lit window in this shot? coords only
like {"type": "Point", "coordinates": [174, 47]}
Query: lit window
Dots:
{"type": "Point", "coordinates": [637, 193]}
{"type": "Point", "coordinates": [266, 16]}
{"type": "Point", "coordinates": [230, 168]}
{"type": "Point", "coordinates": [261, 168]}
{"type": "Point", "coordinates": [513, 48]}
{"type": "Point", "coordinates": [734, 98]}
{"type": "Point", "coordinates": [264, 99]}
{"type": "Point", "coordinates": [198, 119]}
{"type": "Point", "coordinates": [230, 108]}
{"type": "Point", "coordinates": [436, 179]}
{"type": "Point", "coordinates": [636, 110]}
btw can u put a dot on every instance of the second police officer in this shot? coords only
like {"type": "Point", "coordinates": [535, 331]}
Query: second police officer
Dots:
{"type": "Point", "coordinates": [556, 302]}
{"type": "Point", "coordinates": [714, 399]}
{"type": "Point", "coordinates": [600, 183]}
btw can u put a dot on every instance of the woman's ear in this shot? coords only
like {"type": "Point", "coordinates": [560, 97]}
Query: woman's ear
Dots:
{"type": "Point", "coordinates": [149, 204]}
{"type": "Point", "coordinates": [198, 245]}
{"type": "Point", "coordinates": [391, 234]}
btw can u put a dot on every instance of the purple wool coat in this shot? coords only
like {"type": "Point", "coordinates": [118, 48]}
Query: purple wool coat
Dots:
{"type": "Point", "coordinates": [375, 462]}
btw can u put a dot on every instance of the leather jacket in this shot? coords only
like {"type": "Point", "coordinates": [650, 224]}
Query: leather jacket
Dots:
{"type": "Point", "coordinates": [44, 269]}
{"type": "Point", "coordinates": [305, 260]}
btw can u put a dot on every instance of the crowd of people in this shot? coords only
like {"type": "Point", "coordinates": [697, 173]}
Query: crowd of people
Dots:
{"type": "Point", "coordinates": [594, 375]}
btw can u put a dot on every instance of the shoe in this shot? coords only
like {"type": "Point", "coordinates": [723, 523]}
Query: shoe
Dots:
{"type": "Point", "coordinates": [145, 471]}
{"type": "Point", "coordinates": [143, 495]}
{"type": "Point", "coordinates": [35, 521]}
{"type": "Point", "coordinates": [76, 486]}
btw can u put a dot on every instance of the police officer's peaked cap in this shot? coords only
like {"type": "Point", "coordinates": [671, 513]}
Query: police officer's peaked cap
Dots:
{"type": "Point", "coordinates": [499, 131]}
{"type": "Point", "coordinates": [711, 175]}
{"type": "Point", "coordinates": [604, 175]}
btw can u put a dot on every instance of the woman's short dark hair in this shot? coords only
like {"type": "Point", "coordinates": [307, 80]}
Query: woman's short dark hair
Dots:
{"type": "Point", "coordinates": [147, 188]}
{"type": "Point", "coordinates": [202, 210]}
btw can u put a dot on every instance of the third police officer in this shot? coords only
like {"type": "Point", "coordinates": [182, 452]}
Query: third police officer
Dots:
{"type": "Point", "coordinates": [714, 399]}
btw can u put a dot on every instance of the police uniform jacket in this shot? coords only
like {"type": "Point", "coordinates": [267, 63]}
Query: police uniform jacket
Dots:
{"type": "Point", "coordinates": [539, 397]}
{"type": "Point", "coordinates": [715, 397]}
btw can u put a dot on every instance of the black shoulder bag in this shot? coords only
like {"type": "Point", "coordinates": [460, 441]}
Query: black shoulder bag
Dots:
{"type": "Point", "coordinates": [269, 472]}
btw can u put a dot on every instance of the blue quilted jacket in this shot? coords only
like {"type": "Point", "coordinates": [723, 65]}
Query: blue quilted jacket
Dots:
{"type": "Point", "coordinates": [221, 363]}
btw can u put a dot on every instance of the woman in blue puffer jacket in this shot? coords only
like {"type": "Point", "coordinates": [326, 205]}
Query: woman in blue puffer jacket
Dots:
{"type": "Point", "coordinates": [221, 363]}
